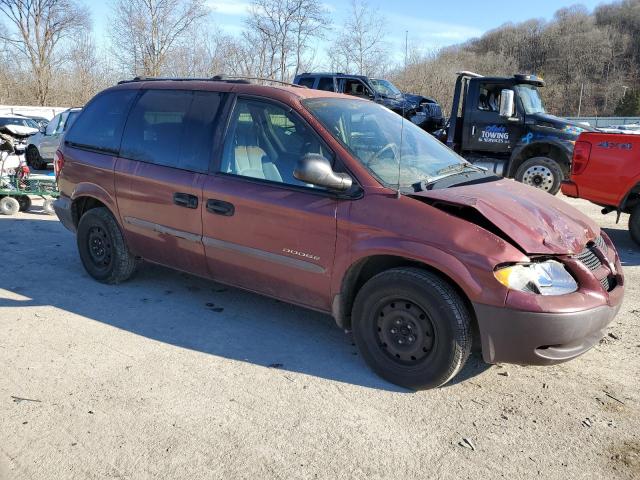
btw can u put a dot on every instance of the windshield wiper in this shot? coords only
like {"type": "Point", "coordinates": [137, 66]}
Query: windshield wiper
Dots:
{"type": "Point", "coordinates": [447, 172]}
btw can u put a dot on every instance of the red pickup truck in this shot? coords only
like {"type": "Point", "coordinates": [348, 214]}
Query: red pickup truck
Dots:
{"type": "Point", "coordinates": [606, 171]}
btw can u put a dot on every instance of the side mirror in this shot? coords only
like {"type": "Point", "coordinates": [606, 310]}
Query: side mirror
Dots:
{"type": "Point", "coordinates": [43, 130]}
{"type": "Point", "coordinates": [316, 170]}
{"type": "Point", "coordinates": [507, 103]}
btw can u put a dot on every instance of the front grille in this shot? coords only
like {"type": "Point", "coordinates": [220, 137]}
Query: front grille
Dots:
{"type": "Point", "coordinates": [589, 259]}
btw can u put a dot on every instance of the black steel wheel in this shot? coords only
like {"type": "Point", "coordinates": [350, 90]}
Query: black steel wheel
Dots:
{"type": "Point", "coordinates": [412, 327]}
{"type": "Point", "coordinates": [102, 247]}
{"type": "Point", "coordinates": [405, 331]}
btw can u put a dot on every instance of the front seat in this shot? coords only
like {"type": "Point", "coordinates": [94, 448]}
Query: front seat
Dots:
{"type": "Point", "coordinates": [251, 161]}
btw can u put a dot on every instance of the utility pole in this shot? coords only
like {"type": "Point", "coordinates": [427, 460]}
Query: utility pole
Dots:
{"type": "Point", "coordinates": [406, 48]}
{"type": "Point", "coordinates": [580, 101]}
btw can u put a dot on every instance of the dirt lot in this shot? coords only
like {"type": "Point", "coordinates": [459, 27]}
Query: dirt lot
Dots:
{"type": "Point", "coordinates": [171, 376]}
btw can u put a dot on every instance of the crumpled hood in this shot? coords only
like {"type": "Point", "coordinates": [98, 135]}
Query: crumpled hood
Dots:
{"type": "Point", "coordinates": [19, 130]}
{"type": "Point", "coordinates": [537, 221]}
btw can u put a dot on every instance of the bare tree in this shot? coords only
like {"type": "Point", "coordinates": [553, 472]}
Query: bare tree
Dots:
{"type": "Point", "coordinates": [282, 31]}
{"type": "Point", "coordinates": [143, 32]}
{"type": "Point", "coordinates": [361, 45]}
{"type": "Point", "coordinates": [39, 27]}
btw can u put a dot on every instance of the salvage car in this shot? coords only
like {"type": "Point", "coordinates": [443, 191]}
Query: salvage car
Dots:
{"type": "Point", "coordinates": [423, 111]}
{"type": "Point", "coordinates": [43, 145]}
{"type": "Point", "coordinates": [336, 204]}
{"type": "Point", "coordinates": [606, 171]}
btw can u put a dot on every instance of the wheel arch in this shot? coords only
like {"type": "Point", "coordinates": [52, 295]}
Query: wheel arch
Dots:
{"type": "Point", "coordinates": [631, 198]}
{"type": "Point", "coordinates": [367, 267]}
{"type": "Point", "coordinates": [88, 196]}
{"type": "Point", "coordinates": [553, 150]}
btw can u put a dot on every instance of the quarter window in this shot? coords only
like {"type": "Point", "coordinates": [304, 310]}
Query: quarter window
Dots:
{"type": "Point", "coordinates": [173, 128]}
{"type": "Point", "coordinates": [265, 141]}
{"type": "Point", "coordinates": [307, 81]}
{"type": "Point", "coordinates": [326, 83]}
{"type": "Point", "coordinates": [99, 125]}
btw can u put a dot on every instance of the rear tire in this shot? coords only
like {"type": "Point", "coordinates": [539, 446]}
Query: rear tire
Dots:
{"type": "Point", "coordinates": [412, 328]}
{"type": "Point", "coordinates": [9, 206]}
{"type": "Point", "coordinates": [34, 159]}
{"type": "Point", "coordinates": [102, 247]}
{"type": "Point", "coordinates": [25, 203]}
{"type": "Point", "coordinates": [634, 224]}
{"type": "Point", "coordinates": [541, 172]}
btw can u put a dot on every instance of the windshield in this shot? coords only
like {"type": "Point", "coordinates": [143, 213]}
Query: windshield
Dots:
{"type": "Point", "coordinates": [378, 138]}
{"type": "Point", "coordinates": [385, 87]}
{"type": "Point", "coordinates": [530, 98]}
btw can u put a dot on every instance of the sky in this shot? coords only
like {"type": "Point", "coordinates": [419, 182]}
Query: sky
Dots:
{"type": "Point", "coordinates": [430, 24]}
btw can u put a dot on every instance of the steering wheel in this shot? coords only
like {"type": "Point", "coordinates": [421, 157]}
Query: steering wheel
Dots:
{"type": "Point", "coordinates": [389, 146]}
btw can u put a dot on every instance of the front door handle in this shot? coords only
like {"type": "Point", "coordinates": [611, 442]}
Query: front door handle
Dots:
{"type": "Point", "coordinates": [220, 207]}
{"type": "Point", "coordinates": [185, 200]}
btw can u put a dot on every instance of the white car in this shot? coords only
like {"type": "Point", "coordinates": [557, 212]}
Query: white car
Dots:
{"type": "Point", "coordinates": [43, 145]}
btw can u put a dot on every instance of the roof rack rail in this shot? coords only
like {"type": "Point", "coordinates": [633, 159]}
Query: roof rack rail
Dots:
{"type": "Point", "coordinates": [216, 78]}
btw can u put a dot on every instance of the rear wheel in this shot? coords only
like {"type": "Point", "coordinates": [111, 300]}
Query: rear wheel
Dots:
{"type": "Point", "coordinates": [47, 206]}
{"type": "Point", "coordinates": [634, 224]}
{"type": "Point", "coordinates": [102, 248]}
{"type": "Point", "coordinates": [34, 159]}
{"type": "Point", "coordinates": [541, 172]}
{"type": "Point", "coordinates": [25, 203]}
{"type": "Point", "coordinates": [9, 206]}
{"type": "Point", "coordinates": [412, 328]}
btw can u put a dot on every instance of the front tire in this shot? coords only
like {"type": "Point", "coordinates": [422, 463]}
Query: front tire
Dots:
{"type": "Point", "coordinates": [34, 159]}
{"type": "Point", "coordinates": [634, 224]}
{"type": "Point", "coordinates": [541, 172]}
{"type": "Point", "coordinates": [412, 328]}
{"type": "Point", "coordinates": [102, 247]}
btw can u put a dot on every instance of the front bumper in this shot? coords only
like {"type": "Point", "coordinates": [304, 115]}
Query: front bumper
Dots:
{"type": "Point", "coordinates": [62, 207]}
{"type": "Point", "coordinates": [538, 338]}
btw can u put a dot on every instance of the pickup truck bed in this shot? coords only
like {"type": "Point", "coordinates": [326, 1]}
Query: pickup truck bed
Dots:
{"type": "Point", "coordinates": [606, 171]}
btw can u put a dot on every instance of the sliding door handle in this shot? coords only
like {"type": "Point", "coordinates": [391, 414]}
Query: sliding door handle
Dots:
{"type": "Point", "coordinates": [185, 200]}
{"type": "Point", "coordinates": [220, 207]}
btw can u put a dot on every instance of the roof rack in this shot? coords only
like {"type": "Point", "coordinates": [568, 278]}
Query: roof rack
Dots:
{"type": "Point", "coordinates": [216, 78]}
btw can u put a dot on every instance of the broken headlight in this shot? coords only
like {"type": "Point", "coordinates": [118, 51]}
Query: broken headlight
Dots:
{"type": "Point", "coordinates": [543, 278]}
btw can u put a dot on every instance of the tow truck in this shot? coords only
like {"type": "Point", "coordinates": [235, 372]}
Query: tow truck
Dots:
{"type": "Point", "coordinates": [500, 123]}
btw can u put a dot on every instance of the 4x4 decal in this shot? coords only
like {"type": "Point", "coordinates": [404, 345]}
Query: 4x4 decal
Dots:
{"type": "Point", "coordinates": [621, 146]}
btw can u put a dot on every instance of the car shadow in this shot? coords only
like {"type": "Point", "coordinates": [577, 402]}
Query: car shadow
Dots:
{"type": "Point", "coordinates": [628, 250]}
{"type": "Point", "coordinates": [183, 310]}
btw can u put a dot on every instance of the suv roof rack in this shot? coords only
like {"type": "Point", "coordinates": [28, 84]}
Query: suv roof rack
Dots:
{"type": "Point", "coordinates": [216, 78]}
{"type": "Point", "coordinates": [322, 73]}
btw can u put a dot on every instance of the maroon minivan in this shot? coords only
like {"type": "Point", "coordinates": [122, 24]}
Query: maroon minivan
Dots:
{"type": "Point", "coordinates": [339, 205]}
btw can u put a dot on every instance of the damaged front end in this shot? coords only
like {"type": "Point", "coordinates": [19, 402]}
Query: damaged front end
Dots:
{"type": "Point", "coordinates": [559, 301]}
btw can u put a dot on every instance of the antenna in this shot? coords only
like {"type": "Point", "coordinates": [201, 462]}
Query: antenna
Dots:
{"type": "Point", "coordinates": [406, 48]}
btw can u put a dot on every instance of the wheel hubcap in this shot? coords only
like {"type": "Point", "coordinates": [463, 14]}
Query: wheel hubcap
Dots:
{"type": "Point", "coordinates": [405, 332]}
{"type": "Point", "coordinates": [99, 247]}
{"type": "Point", "coordinates": [539, 176]}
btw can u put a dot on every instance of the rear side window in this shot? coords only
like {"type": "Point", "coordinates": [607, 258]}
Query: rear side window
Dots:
{"type": "Point", "coordinates": [173, 128]}
{"type": "Point", "coordinates": [326, 83]}
{"type": "Point", "coordinates": [307, 81]}
{"type": "Point", "coordinates": [99, 126]}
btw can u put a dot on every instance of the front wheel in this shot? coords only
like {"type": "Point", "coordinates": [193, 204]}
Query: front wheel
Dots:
{"type": "Point", "coordinates": [34, 159]}
{"type": "Point", "coordinates": [412, 328]}
{"type": "Point", "coordinates": [9, 206]}
{"type": "Point", "coordinates": [102, 248]}
{"type": "Point", "coordinates": [541, 172]}
{"type": "Point", "coordinates": [634, 224]}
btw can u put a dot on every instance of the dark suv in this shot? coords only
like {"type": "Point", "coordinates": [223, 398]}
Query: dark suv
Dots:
{"type": "Point", "coordinates": [334, 203]}
{"type": "Point", "coordinates": [423, 111]}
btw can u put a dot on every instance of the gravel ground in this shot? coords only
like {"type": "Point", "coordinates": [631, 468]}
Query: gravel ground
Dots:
{"type": "Point", "coordinates": [172, 376]}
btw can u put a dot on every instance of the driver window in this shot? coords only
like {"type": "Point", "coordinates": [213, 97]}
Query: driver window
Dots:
{"type": "Point", "coordinates": [265, 141]}
{"type": "Point", "coordinates": [489, 98]}
{"type": "Point", "coordinates": [52, 127]}
{"type": "Point", "coordinates": [356, 88]}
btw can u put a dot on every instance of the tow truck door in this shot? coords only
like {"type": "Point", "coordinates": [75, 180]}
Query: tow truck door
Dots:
{"type": "Point", "coordinates": [484, 129]}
